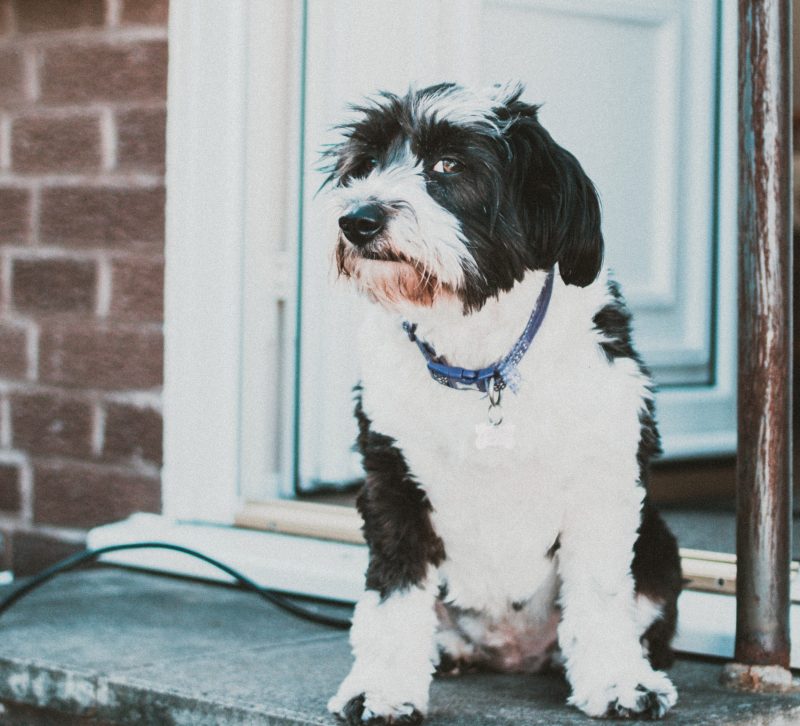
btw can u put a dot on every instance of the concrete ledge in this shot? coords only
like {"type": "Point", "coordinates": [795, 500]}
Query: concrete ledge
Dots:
{"type": "Point", "coordinates": [117, 647]}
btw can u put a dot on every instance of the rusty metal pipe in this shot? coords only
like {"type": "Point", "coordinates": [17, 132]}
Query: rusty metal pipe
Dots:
{"type": "Point", "coordinates": [763, 536]}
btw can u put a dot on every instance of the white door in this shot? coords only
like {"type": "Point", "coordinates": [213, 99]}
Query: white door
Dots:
{"type": "Point", "coordinates": [634, 89]}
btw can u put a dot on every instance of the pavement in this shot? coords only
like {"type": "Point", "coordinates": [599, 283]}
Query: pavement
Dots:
{"type": "Point", "coordinates": [112, 646]}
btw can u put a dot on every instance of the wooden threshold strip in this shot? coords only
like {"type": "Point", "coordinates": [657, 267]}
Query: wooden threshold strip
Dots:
{"type": "Point", "coordinates": [309, 519]}
{"type": "Point", "coordinates": [702, 570]}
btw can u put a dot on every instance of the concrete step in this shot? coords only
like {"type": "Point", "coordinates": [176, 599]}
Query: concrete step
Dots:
{"type": "Point", "coordinates": [110, 646]}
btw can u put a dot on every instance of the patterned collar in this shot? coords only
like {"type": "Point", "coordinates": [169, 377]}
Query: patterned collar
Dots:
{"type": "Point", "coordinates": [498, 375]}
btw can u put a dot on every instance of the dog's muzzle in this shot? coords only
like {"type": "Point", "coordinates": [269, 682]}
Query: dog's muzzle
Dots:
{"type": "Point", "coordinates": [362, 224]}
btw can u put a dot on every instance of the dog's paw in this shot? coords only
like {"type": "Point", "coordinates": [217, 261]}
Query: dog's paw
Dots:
{"type": "Point", "coordinates": [363, 711]}
{"type": "Point", "coordinates": [642, 703]}
{"type": "Point", "coordinates": [649, 698]}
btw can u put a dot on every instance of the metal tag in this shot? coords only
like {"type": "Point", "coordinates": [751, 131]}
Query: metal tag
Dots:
{"type": "Point", "coordinates": [491, 436]}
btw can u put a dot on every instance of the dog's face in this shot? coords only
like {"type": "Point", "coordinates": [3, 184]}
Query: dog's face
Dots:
{"type": "Point", "coordinates": [450, 192]}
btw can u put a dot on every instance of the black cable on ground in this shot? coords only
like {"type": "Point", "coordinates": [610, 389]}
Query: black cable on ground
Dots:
{"type": "Point", "coordinates": [81, 558]}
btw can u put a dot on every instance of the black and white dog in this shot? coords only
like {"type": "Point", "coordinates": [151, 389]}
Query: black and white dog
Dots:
{"type": "Point", "coordinates": [506, 422]}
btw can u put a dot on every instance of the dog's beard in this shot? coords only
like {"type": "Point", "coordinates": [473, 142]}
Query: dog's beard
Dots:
{"type": "Point", "coordinates": [419, 257]}
{"type": "Point", "coordinates": [389, 277]}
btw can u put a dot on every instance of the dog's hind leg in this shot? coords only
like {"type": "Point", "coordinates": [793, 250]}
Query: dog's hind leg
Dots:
{"type": "Point", "coordinates": [456, 653]}
{"type": "Point", "coordinates": [656, 572]}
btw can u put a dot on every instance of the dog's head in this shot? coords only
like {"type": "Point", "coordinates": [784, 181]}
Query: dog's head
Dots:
{"type": "Point", "coordinates": [450, 192]}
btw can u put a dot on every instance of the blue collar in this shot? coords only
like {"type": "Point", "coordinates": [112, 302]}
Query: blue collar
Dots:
{"type": "Point", "coordinates": [498, 375]}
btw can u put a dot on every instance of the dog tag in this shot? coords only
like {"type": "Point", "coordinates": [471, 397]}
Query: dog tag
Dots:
{"type": "Point", "coordinates": [492, 436]}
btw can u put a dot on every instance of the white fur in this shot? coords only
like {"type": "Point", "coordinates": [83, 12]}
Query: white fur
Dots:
{"type": "Point", "coordinates": [418, 228]}
{"type": "Point", "coordinates": [394, 648]}
{"type": "Point", "coordinates": [573, 474]}
{"type": "Point", "coordinates": [467, 107]}
{"type": "Point", "coordinates": [521, 640]}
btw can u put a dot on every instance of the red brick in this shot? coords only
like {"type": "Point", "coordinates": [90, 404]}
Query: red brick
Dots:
{"type": "Point", "coordinates": [32, 551]}
{"type": "Point", "coordinates": [46, 424]}
{"type": "Point", "coordinates": [15, 214]}
{"type": "Point", "coordinates": [5, 17]}
{"type": "Point", "coordinates": [43, 15]}
{"type": "Point", "coordinates": [91, 216]}
{"type": "Point", "coordinates": [96, 357]}
{"type": "Point", "coordinates": [141, 139]}
{"type": "Point", "coordinates": [6, 536]}
{"type": "Point", "coordinates": [9, 488]}
{"type": "Point", "coordinates": [144, 12]}
{"type": "Point", "coordinates": [133, 71]}
{"type": "Point", "coordinates": [133, 433]}
{"type": "Point", "coordinates": [13, 351]}
{"type": "Point", "coordinates": [137, 289]}
{"type": "Point", "coordinates": [53, 286]}
{"type": "Point", "coordinates": [76, 495]}
{"type": "Point", "coordinates": [12, 85]}
{"type": "Point", "coordinates": [41, 143]}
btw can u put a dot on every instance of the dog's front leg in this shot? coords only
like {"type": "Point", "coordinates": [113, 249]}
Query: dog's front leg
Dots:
{"type": "Point", "coordinates": [394, 625]}
{"type": "Point", "coordinates": [599, 636]}
{"type": "Point", "coordinates": [393, 644]}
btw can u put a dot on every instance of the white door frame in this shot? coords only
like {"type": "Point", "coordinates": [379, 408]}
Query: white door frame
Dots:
{"type": "Point", "coordinates": [231, 175]}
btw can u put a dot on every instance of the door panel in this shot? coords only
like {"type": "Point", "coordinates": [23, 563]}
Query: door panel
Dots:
{"type": "Point", "coordinates": [629, 86]}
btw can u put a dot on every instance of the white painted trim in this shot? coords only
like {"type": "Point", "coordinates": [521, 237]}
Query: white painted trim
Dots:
{"type": "Point", "coordinates": [232, 140]}
{"type": "Point", "coordinates": [645, 12]}
{"type": "Point", "coordinates": [707, 625]}
{"type": "Point", "coordinates": [335, 570]}
{"type": "Point", "coordinates": [269, 277]}
{"type": "Point", "coordinates": [303, 565]}
{"type": "Point", "coordinates": [205, 181]}
{"type": "Point", "coordinates": [708, 414]}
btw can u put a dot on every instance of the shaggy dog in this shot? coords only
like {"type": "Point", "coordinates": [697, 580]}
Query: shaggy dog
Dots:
{"type": "Point", "coordinates": [506, 422]}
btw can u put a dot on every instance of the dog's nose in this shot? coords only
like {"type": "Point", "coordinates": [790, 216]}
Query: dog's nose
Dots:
{"type": "Point", "coordinates": [362, 224]}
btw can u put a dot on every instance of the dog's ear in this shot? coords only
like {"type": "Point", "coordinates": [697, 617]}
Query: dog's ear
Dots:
{"type": "Point", "coordinates": [557, 202]}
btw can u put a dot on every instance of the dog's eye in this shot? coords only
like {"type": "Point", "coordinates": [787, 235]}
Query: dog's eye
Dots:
{"type": "Point", "coordinates": [448, 166]}
{"type": "Point", "coordinates": [363, 166]}
{"type": "Point", "coordinates": [366, 165]}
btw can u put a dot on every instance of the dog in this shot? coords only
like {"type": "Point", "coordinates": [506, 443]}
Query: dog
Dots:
{"type": "Point", "coordinates": [506, 422]}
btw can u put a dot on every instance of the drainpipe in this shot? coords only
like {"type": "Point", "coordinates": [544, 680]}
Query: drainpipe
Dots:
{"type": "Point", "coordinates": [763, 470]}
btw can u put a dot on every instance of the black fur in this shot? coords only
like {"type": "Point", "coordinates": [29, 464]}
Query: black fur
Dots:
{"type": "Point", "coordinates": [648, 707]}
{"type": "Point", "coordinates": [615, 322]}
{"type": "Point", "coordinates": [557, 203]}
{"type": "Point", "coordinates": [396, 513]}
{"type": "Point", "coordinates": [524, 203]}
{"type": "Point", "coordinates": [555, 547]}
{"type": "Point", "coordinates": [657, 574]}
{"type": "Point", "coordinates": [354, 710]}
{"type": "Point", "coordinates": [656, 563]}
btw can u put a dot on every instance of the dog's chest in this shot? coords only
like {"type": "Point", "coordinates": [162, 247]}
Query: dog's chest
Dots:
{"type": "Point", "coordinates": [497, 513]}
{"type": "Point", "coordinates": [500, 510]}
{"type": "Point", "coordinates": [499, 544]}
{"type": "Point", "coordinates": [497, 510]}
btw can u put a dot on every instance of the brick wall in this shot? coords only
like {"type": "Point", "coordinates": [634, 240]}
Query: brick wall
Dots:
{"type": "Point", "coordinates": [82, 110]}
